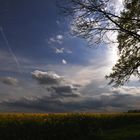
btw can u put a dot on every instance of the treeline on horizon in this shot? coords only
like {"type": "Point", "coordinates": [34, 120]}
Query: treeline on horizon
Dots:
{"type": "Point", "coordinates": [134, 111]}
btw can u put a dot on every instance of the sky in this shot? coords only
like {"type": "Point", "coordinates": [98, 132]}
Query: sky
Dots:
{"type": "Point", "coordinates": [43, 68]}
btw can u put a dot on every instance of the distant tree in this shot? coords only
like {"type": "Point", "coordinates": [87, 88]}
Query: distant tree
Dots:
{"type": "Point", "coordinates": [95, 20]}
{"type": "Point", "coordinates": [133, 111]}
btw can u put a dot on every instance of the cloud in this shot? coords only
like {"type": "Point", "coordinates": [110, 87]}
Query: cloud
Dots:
{"type": "Point", "coordinates": [68, 51]}
{"type": "Point", "coordinates": [57, 50]}
{"type": "Point", "coordinates": [58, 39]}
{"type": "Point", "coordinates": [64, 61]}
{"type": "Point", "coordinates": [61, 50]}
{"type": "Point", "coordinates": [56, 85]}
{"type": "Point", "coordinates": [66, 97]}
{"type": "Point", "coordinates": [52, 40]}
{"type": "Point", "coordinates": [103, 103]}
{"type": "Point", "coordinates": [64, 88]}
{"type": "Point", "coordinates": [38, 104]}
{"type": "Point", "coordinates": [47, 78]}
{"type": "Point", "coordinates": [9, 81]}
{"type": "Point", "coordinates": [58, 22]}
{"type": "Point", "coordinates": [85, 75]}
{"type": "Point", "coordinates": [65, 91]}
{"type": "Point", "coordinates": [127, 90]}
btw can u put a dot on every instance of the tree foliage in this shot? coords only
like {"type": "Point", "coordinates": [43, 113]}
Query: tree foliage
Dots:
{"type": "Point", "coordinates": [128, 45]}
{"type": "Point", "coordinates": [95, 20]}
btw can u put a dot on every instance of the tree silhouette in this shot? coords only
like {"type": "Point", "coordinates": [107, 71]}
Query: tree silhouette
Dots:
{"type": "Point", "coordinates": [94, 20]}
{"type": "Point", "coordinates": [129, 45]}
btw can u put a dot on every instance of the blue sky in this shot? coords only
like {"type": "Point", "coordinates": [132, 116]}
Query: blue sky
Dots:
{"type": "Point", "coordinates": [55, 71]}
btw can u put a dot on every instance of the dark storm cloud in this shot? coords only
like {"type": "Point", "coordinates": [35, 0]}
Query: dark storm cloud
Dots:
{"type": "Point", "coordinates": [65, 91]}
{"type": "Point", "coordinates": [104, 102]}
{"type": "Point", "coordinates": [9, 81]}
{"type": "Point", "coordinates": [36, 103]}
{"type": "Point", "coordinates": [42, 104]}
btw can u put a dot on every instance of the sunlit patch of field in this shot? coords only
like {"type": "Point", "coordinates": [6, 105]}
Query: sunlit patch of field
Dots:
{"type": "Point", "coordinates": [63, 126]}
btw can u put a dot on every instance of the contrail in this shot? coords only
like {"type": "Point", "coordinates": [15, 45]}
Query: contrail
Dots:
{"type": "Point", "coordinates": [9, 48]}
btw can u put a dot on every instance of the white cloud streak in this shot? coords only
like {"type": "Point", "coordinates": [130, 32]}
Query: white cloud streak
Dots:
{"type": "Point", "coordinates": [10, 49]}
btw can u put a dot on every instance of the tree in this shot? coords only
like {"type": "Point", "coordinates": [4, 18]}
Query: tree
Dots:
{"type": "Point", "coordinates": [94, 20]}
{"type": "Point", "coordinates": [129, 46]}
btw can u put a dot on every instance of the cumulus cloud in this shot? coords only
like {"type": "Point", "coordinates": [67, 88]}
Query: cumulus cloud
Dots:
{"type": "Point", "coordinates": [9, 81]}
{"type": "Point", "coordinates": [56, 85]}
{"type": "Point", "coordinates": [47, 78]}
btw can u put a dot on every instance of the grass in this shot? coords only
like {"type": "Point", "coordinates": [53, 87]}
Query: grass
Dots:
{"type": "Point", "coordinates": [123, 126]}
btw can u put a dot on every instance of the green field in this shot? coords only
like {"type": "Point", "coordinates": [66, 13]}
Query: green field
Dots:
{"type": "Point", "coordinates": [124, 126]}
